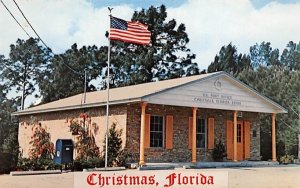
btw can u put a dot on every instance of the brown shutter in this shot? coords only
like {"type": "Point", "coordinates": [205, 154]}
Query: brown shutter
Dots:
{"type": "Point", "coordinates": [147, 131]}
{"type": "Point", "coordinates": [190, 133]}
{"type": "Point", "coordinates": [229, 148]}
{"type": "Point", "coordinates": [211, 133]}
{"type": "Point", "coordinates": [247, 139]}
{"type": "Point", "coordinates": [169, 132]}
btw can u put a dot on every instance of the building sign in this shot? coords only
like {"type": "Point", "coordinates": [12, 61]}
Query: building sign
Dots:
{"type": "Point", "coordinates": [217, 98]}
{"type": "Point", "coordinates": [218, 84]}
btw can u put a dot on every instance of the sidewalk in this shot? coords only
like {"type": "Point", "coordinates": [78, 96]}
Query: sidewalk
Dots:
{"type": "Point", "coordinates": [277, 176]}
{"type": "Point", "coordinates": [200, 165]}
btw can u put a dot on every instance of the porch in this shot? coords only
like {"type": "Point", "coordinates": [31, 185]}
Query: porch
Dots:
{"type": "Point", "coordinates": [217, 94]}
{"type": "Point", "coordinates": [191, 134]}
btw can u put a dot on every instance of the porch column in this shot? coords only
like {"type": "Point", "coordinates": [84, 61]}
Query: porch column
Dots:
{"type": "Point", "coordinates": [235, 136]}
{"type": "Point", "coordinates": [194, 147]}
{"type": "Point", "coordinates": [142, 136]}
{"type": "Point", "coordinates": [273, 138]}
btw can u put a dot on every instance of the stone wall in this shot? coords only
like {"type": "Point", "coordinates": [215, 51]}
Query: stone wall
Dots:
{"type": "Point", "coordinates": [180, 151]}
{"type": "Point", "coordinates": [57, 124]}
{"type": "Point", "coordinates": [254, 137]}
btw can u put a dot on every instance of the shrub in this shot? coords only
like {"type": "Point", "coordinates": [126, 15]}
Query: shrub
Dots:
{"type": "Point", "coordinates": [41, 152]}
{"type": "Point", "coordinates": [26, 164]}
{"type": "Point", "coordinates": [115, 155]}
{"type": "Point", "coordinates": [80, 164]}
{"type": "Point", "coordinates": [280, 149]}
{"type": "Point", "coordinates": [219, 152]}
{"type": "Point", "coordinates": [6, 162]}
{"type": "Point", "coordinates": [75, 127]}
{"type": "Point", "coordinates": [286, 159]}
{"type": "Point", "coordinates": [9, 150]}
{"type": "Point", "coordinates": [42, 147]}
{"type": "Point", "coordinates": [122, 158]}
{"type": "Point", "coordinates": [86, 147]}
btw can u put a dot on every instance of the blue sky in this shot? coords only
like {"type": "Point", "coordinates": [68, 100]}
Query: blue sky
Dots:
{"type": "Point", "coordinates": [261, 3]}
{"type": "Point", "coordinates": [210, 24]}
{"type": "Point", "coordinates": [137, 3]}
{"type": "Point", "coordinates": [174, 3]}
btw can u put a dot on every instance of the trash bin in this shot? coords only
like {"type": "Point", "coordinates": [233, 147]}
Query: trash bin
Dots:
{"type": "Point", "coordinates": [63, 151]}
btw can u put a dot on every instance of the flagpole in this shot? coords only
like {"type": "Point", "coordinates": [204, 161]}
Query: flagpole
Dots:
{"type": "Point", "coordinates": [107, 85]}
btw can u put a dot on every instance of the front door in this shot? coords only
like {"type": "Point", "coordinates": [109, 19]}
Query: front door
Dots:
{"type": "Point", "coordinates": [243, 140]}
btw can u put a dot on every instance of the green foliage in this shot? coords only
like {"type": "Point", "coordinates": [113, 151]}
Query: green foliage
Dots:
{"type": "Point", "coordinates": [286, 159]}
{"type": "Point", "coordinates": [274, 75]}
{"type": "Point", "coordinates": [291, 56]}
{"type": "Point", "coordinates": [65, 82]}
{"type": "Point", "coordinates": [76, 128]}
{"type": "Point", "coordinates": [219, 152]}
{"type": "Point", "coordinates": [115, 154]}
{"type": "Point", "coordinates": [41, 153]}
{"type": "Point", "coordinates": [230, 61]}
{"type": "Point", "coordinates": [9, 146]}
{"type": "Point", "coordinates": [27, 59]}
{"type": "Point", "coordinates": [42, 147]}
{"type": "Point", "coordinates": [9, 151]}
{"type": "Point", "coordinates": [25, 164]}
{"type": "Point", "coordinates": [80, 164]}
{"type": "Point", "coordinates": [281, 85]}
{"type": "Point", "coordinates": [85, 146]}
{"type": "Point", "coordinates": [7, 162]}
{"type": "Point", "coordinates": [280, 149]}
{"type": "Point", "coordinates": [166, 57]}
{"type": "Point", "coordinates": [263, 68]}
{"type": "Point", "coordinates": [263, 55]}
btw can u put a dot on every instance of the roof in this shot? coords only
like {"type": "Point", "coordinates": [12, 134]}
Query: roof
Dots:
{"type": "Point", "coordinates": [123, 95]}
{"type": "Point", "coordinates": [119, 95]}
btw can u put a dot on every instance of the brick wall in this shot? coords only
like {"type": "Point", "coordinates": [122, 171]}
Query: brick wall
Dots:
{"type": "Point", "coordinates": [128, 117]}
{"type": "Point", "coordinates": [57, 124]}
{"type": "Point", "coordinates": [180, 151]}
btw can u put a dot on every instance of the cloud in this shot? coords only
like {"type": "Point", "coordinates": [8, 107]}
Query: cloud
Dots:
{"type": "Point", "coordinates": [212, 24]}
{"type": "Point", "coordinates": [59, 23]}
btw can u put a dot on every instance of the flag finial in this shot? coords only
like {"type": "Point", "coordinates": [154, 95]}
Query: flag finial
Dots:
{"type": "Point", "coordinates": [110, 9]}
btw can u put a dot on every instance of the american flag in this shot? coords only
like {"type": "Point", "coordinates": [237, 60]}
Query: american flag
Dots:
{"type": "Point", "coordinates": [128, 31]}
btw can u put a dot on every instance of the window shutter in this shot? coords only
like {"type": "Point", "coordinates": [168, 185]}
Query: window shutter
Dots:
{"type": "Point", "coordinates": [247, 139]}
{"type": "Point", "coordinates": [169, 132]}
{"type": "Point", "coordinates": [211, 133]}
{"type": "Point", "coordinates": [229, 137]}
{"type": "Point", "coordinates": [147, 131]}
{"type": "Point", "coordinates": [190, 133]}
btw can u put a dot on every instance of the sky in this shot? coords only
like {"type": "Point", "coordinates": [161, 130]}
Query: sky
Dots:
{"type": "Point", "coordinates": [210, 24]}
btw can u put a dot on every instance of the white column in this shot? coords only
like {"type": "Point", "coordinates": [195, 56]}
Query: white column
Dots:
{"type": "Point", "coordinates": [142, 136]}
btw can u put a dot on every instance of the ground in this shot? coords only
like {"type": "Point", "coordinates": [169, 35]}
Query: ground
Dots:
{"type": "Point", "coordinates": [263, 177]}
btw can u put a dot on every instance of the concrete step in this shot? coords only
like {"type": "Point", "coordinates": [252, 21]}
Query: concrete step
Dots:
{"type": "Point", "coordinates": [39, 172]}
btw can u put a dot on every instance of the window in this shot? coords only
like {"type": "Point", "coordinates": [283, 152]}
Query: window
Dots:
{"type": "Point", "coordinates": [156, 131]}
{"type": "Point", "coordinates": [201, 133]}
{"type": "Point", "coordinates": [239, 133]}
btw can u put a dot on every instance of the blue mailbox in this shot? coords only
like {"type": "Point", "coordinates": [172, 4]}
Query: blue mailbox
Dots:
{"type": "Point", "coordinates": [63, 151]}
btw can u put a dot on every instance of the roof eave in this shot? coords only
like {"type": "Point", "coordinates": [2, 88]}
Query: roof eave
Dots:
{"type": "Point", "coordinates": [90, 105]}
{"type": "Point", "coordinates": [167, 89]}
{"type": "Point", "coordinates": [278, 106]}
{"type": "Point", "coordinates": [281, 108]}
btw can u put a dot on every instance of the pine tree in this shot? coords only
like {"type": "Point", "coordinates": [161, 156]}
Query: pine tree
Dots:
{"type": "Point", "coordinates": [114, 145]}
{"type": "Point", "coordinates": [27, 59]}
